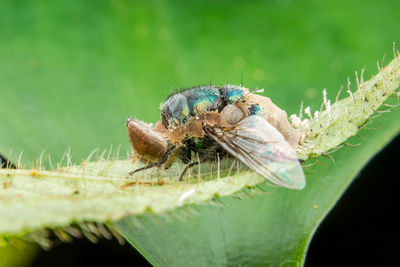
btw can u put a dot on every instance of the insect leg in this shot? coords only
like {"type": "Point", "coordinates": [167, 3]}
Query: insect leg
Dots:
{"type": "Point", "coordinates": [161, 162]}
{"type": "Point", "coordinates": [190, 165]}
{"type": "Point", "coordinates": [4, 163]}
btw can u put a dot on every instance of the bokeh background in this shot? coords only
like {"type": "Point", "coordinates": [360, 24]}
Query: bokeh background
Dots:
{"type": "Point", "coordinates": [71, 72]}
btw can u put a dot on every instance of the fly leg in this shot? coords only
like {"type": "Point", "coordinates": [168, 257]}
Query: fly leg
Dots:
{"type": "Point", "coordinates": [161, 162]}
{"type": "Point", "coordinates": [190, 165]}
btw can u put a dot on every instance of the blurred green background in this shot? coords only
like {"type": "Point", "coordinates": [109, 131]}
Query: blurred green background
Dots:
{"type": "Point", "coordinates": [71, 72]}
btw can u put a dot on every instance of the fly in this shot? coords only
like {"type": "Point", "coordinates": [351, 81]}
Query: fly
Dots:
{"type": "Point", "coordinates": [225, 121]}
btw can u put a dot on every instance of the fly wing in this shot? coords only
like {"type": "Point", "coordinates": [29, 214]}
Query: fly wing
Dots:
{"type": "Point", "coordinates": [262, 147]}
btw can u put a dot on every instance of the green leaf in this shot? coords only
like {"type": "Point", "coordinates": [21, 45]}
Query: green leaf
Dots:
{"type": "Point", "coordinates": [102, 191]}
{"type": "Point", "coordinates": [274, 229]}
{"type": "Point", "coordinates": [16, 253]}
{"type": "Point", "coordinates": [71, 72]}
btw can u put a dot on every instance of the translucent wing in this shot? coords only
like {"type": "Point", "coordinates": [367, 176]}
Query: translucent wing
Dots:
{"type": "Point", "coordinates": [262, 147]}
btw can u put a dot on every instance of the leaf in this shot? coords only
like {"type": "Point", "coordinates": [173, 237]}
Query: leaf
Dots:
{"type": "Point", "coordinates": [70, 73]}
{"type": "Point", "coordinates": [274, 229]}
{"type": "Point", "coordinates": [102, 191]}
{"type": "Point", "coordinates": [16, 253]}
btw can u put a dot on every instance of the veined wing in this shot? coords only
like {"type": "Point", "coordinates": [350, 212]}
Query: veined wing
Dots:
{"type": "Point", "coordinates": [262, 147]}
